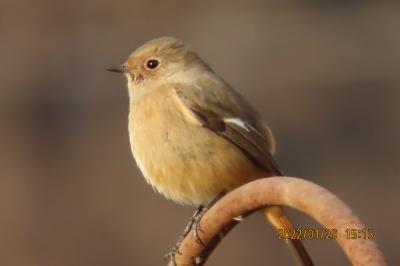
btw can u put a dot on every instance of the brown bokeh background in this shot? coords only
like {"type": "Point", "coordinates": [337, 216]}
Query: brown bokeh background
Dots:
{"type": "Point", "coordinates": [324, 74]}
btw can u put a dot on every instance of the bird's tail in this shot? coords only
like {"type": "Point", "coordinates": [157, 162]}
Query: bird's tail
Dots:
{"type": "Point", "coordinates": [279, 220]}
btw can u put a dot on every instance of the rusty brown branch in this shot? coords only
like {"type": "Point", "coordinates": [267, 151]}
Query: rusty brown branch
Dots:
{"type": "Point", "coordinates": [297, 193]}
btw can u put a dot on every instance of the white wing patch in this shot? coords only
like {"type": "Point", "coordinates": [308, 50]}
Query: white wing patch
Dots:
{"type": "Point", "coordinates": [239, 122]}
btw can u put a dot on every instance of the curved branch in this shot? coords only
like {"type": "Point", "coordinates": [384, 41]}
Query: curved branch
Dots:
{"type": "Point", "coordinates": [297, 193]}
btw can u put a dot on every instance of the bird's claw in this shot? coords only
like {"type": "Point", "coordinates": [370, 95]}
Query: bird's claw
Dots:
{"type": "Point", "coordinates": [194, 224]}
{"type": "Point", "coordinates": [197, 227]}
{"type": "Point", "coordinates": [170, 257]}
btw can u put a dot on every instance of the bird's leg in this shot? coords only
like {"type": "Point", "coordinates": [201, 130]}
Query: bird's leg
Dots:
{"type": "Point", "coordinates": [175, 250]}
{"type": "Point", "coordinates": [193, 222]}
{"type": "Point", "coordinates": [197, 218]}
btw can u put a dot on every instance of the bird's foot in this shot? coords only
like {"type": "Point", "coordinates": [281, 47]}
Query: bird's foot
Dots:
{"type": "Point", "coordinates": [170, 257]}
{"type": "Point", "coordinates": [194, 223]}
{"type": "Point", "coordinates": [199, 215]}
{"type": "Point", "coordinates": [175, 250]}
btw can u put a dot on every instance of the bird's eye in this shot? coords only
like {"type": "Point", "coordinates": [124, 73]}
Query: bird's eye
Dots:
{"type": "Point", "coordinates": [152, 64]}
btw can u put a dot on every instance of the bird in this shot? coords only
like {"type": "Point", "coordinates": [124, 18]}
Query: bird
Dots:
{"type": "Point", "coordinates": [193, 135]}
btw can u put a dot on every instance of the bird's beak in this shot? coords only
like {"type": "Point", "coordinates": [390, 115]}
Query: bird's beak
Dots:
{"type": "Point", "coordinates": [116, 69]}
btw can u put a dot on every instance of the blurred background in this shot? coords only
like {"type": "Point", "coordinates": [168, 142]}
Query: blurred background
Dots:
{"type": "Point", "coordinates": [324, 74]}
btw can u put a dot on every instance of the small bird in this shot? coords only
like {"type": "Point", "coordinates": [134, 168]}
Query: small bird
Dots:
{"type": "Point", "coordinates": [192, 135]}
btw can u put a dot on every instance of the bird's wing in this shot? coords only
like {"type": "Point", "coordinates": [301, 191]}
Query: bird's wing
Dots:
{"type": "Point", "coordinates": [230, 122]}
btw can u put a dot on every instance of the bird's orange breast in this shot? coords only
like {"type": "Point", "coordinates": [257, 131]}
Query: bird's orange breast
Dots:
{"type": "Point", "coordinates": [181, 159]}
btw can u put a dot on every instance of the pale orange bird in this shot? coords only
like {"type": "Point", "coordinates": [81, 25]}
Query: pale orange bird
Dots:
{"type": "Point", "coordinates": [193, 136]}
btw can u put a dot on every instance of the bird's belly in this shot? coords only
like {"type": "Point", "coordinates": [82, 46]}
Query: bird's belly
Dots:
{"type": "Point", "coordinates": [182, 160]}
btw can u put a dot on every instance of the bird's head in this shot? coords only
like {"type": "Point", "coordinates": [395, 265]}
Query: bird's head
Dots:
{"type": "Point", "coordinates": [159, 60]}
